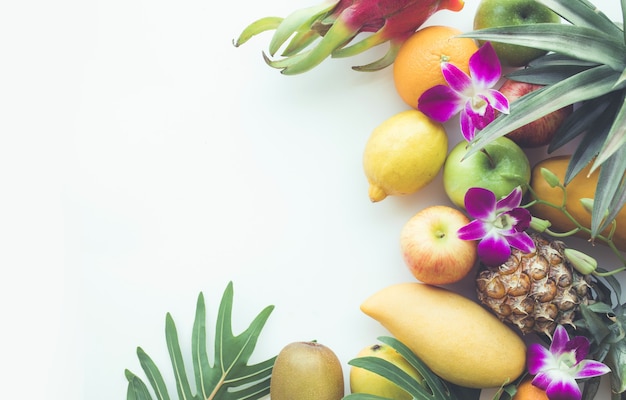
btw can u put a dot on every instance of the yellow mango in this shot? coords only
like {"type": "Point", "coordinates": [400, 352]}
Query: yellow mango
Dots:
{"type": "Point", "coordinates": [458, 339]}
{"type": "Point", "coordinates": [582, 186]}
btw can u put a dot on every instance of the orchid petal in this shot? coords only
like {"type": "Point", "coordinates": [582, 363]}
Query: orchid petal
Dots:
{"type": "Point", "coordinates": [510, 201]}
{"type": "Point", "coordinates": [480, 203]}
{"type": "Point", "coordinates": [494, 250]}
{"type": "Point", "coordinates": [475, 230]}
{"type": "Point", "coordinates": [522, 218]}
{"type": "Point", "coordinates": [481, 117]}
{"type": "Point", "coordinates": [497, 100]}
{"type": "Point", "coordinates": [539, 358]}
{"type": "Point", "coordinates": [456, 78]}
{"type": "Point", "coordinates": [521, 241]}
{"type": "Point", "coordinates": [440, 103]}
{"type": "Point", "coordinates": [467, 127]}
{"type": "Point", "coordinates": [485, 67]}
{"type": "Point", "coordinates": [591, 368]}
{"type": "Point", "coordinates": [564, 388]}
{"type": "Point", "coordinates": [580, 346]}
{"type": "Point", "coordinates": [542, 380]}
{"type": "Point", "coordinates": [560, 338]}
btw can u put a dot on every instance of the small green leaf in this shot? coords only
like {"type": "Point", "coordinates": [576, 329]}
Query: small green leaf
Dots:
{"type": "Point", "coordinates": [259, 26]}
{"type": "Point", "coordinates": [596, 326]}
{"type": "Point", "coordinates": [393, 373]}
{"type": "Point", "coordinates": [137, 390]}
{"type": "Point", "coordinates": [300, 19]}
{"type": "Point", "coordinates": [154, 376]}
{"type": "Point", "coordinates": [198, 344]}
{"type": "Point", "coordinates": [178, 364]}
{"type": "Point", "coordinates": [436, 385]}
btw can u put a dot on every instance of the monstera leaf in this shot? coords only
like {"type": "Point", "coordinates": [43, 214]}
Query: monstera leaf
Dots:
{"type": "Point", "coordinates": [228, 378]}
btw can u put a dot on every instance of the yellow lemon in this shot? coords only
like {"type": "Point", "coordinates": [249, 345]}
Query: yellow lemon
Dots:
{"type": "Point", "coordinates": [404, 154]}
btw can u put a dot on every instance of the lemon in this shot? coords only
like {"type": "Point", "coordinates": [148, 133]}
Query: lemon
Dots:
{"type": "Point", "coordinates": [404, 154]}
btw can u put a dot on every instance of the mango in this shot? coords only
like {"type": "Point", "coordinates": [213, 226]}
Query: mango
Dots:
{"type": "Point", "coordinates": [582, 186]}
{"type": "Point", "coordinates": [454, 336]}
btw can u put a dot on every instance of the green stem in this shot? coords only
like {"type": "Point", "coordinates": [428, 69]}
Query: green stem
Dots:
{"type": "Point", "coordinates": [492, 163]}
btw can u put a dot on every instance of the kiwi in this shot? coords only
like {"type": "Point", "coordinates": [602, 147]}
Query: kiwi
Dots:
{"type": "Point", "coordinates": [306, 371]}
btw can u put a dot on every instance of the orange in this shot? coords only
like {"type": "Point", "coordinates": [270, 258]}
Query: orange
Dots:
{"type": "Point", "coordinates": [417, 66]}
{"type": "Point", "coordinates": [526, 391]}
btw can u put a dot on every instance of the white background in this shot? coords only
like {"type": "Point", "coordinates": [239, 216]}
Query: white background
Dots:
{"type": "Point", "coordinates": [145, 159]}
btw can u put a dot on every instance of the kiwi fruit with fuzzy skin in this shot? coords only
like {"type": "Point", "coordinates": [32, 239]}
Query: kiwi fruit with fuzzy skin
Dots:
{"type": "Point", "coordinates": [307, 371]}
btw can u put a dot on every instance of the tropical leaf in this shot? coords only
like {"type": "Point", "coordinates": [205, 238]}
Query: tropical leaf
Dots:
{"type": "Point", "coordinates": [229, 378]}
{"type": "Point", "coordinates": [610, 196]}
{"type": "Point", "coordinates": [586, 85]}
{"type": "Point", "coordinates": [583, 119]}
{"type": "Point", "coordinates": [432, 388]}
{"type": "Point", "coordinates": [579, 42]}
{"type": "Point", "coordinates": [583, 13]}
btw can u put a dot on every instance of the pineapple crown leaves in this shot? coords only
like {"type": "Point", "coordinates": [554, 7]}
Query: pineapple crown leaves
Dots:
{"type": "Point", "coordinates": [605, 322]}
{"type": "Point", "coordinates": [229, 378]}
{"type": "Point", "coordinates": [586, 66]}
{"type": "Point", "coordinates": [431, 388]}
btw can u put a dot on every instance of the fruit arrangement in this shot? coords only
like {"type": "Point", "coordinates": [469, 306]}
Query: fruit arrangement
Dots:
{"type": "Point", "coordinates": [547, 321]}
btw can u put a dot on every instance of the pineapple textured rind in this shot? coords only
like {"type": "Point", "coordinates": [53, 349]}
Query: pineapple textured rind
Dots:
{"type": "Point", "coordinates": [535, 291]}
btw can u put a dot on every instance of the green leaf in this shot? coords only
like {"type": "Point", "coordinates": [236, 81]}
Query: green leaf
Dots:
{"type": "Point", "coordinates": [583, 86]}
{"type": "Point", "coordinates": [199, 349]}
{"type": "Point", "coordinates": [393, 373]}
{"type": "Point", "coordinates": [154, 376]}
{"type": "Point", "coordinates": [137, 390]}
{"type": "Point", "coordinates": [610, 192]}
{"type": "Point", "coordinates": [596, 326]}
{"type": "Point", "coordinates": [584, 117]}
{"type": "Point", "coordinates": [298, 20]}
{"type": "Point", "coordinates": [232, 352]}
{"type": "Point", "coordinates": [583, 13]}
{"type": "Point", "coordinates": [587, 149]}
{"type": "Point", "coordinates": [259, 26]}
{"type": "Point", "coordinates": [616, 138]}
{"type": "Point", "coordinates": [432, 386]}
{"type": "Point", "coordinates": [178, 364]}
{"type": "Point", "coordinates": [229, 378]}
{"type": "Point", "coordinates": [575, 41]}
{"type": "Point", "coordinates": [545, 74]}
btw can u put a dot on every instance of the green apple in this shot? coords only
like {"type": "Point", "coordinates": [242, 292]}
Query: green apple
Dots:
{"type": "Point", "coordinates": [367, 382]}
{"type": "Point", "coordinates": [431, 248]}
{"type": "Point", "coordinates": [496, 13]}
{"type": "Point", "coordinates": [501, 167]}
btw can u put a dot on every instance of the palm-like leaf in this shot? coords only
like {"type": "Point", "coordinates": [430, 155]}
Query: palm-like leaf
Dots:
{"type": "Point", "coordinates": [229, 378]}
{"type": "Point", "coordinates": [431, 388]}
{"type": "Point", "coordinates": [586, 67]}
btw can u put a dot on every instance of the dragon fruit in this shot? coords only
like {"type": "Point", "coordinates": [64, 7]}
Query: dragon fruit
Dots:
{"type": "Point", "coordinates": [312, 34]}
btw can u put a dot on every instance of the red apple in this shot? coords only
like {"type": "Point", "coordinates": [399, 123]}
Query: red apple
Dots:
{"type": "Point", "coordinates": [431, 248]}
{"type": "Point", "coordinates": [539, 132]}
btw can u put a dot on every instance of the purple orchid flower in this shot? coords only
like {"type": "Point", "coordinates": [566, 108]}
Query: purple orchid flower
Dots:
{"type": "Point", "coordinates": [472, 95]}
{"type": "Point", "coordinates": [497, 224]}
{"type": "Point", "coordinates": [557, 369]}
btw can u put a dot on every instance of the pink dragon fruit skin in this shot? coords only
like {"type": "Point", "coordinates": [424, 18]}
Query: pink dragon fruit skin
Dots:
{"type": "Point", "coordinates": [312, 34]}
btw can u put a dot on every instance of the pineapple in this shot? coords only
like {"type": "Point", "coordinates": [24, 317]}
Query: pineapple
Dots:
{"type": "Point", "coordinates": [586, 66]}
{"type": "Point", "coordinates": [534, 291]}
